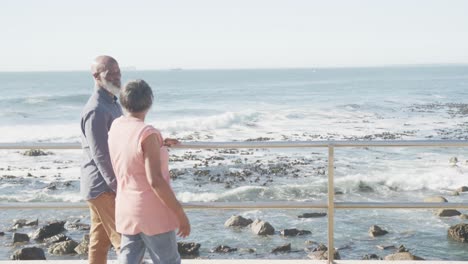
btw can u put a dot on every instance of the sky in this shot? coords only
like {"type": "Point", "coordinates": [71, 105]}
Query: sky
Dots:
{"type": "Point", "coordinates": [61, 35]}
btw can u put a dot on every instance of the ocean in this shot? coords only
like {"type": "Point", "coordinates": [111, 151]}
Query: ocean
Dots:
{"type": "Point", "coordinates": [382, 103]}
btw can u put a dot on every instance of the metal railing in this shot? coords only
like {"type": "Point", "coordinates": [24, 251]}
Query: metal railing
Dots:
{"type": "Point", "coordinates": [331, 205]}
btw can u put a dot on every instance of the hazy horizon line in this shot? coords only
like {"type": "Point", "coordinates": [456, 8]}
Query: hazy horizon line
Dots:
{"type": "Point", "coordinates": [133, 68]}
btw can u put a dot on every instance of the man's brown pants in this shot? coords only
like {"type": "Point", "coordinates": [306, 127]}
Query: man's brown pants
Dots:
{"type": "Point", "coordinates": [102, 233]}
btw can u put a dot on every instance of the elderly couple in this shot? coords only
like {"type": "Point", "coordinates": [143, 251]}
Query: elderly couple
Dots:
{"type": "Point", "coordinates": [124, 173]}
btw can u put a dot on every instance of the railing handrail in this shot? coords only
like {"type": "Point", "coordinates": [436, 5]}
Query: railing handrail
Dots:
{"type": "Point", "coordinates": [267, 144]}
{"type": "Point", "coordinates": [331, 205]}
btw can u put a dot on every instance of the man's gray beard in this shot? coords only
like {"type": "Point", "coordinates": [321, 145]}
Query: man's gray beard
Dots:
{"type": "Point", "coordinates": [110, 87]}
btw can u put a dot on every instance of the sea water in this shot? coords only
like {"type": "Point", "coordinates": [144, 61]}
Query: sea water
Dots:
{"type": "Point", "coordinates": [404, 103]}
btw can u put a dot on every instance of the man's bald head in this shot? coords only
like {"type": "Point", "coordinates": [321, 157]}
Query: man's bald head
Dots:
{"type": "Point", "coordinates": [105, 70]}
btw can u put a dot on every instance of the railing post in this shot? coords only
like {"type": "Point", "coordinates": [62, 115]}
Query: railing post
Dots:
{"type": "Point", "coordinates": [331, 203]}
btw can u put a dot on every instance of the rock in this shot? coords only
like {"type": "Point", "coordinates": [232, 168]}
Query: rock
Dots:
{"type": "Point", "coordinates": [462, 189]}
{"type": "Point", "coordinates": [237, 221]}
{"type": "Point", "coordinates": [19, 238]}
{"type": "Point", "coordinates": [63, 248]}
{"type": "Point", "coordinates": [83, 247]}
{"type": "Point", "coordinates": [435, 199]}
{"type": "Point", "coordinates": [31, 253]}
{"type": "Point", "coordinates": [375, 231]}
{"type": "Point", "coordinates": [312, 215]}
{"type": "Point", "coordinates": [2, 233]}
{"type": "Point", "coordinates": [49, 230]}
{"type": "Point", "coordinates": [459, 233]}
{"type": "Point", "coordinates": [321, 253]}
{"type": "Point", "coordinates": [188, 248]}
{"type": "Point", "coordinates": [402, 248]}
{"type": "Point", "coordinates": [19, 223]}
{"type": "Point", "coordinates": [76, 225]}
{"type": "Point", "coordinates": [371, 257]}
{"type": "Point", "coordinates": [35, 153]}
{"type": "Point", "coordinates": [384, 247]}
{"type": "Point", "coordinates": [56, 239]}
{"type": "Point", "coordinates": [294, 232]}
{"type": "Point", "coordinates": [247, 250]}
{"type": "Point", "coordinates": [464, 216]}
{"type": "Point", "coordinates": [455, 193]}
{"type": "Point", "coordinates": [447, 212]}
{"type": "Point", "coordinates": [453, 161]}
{"type": "Point", "coordinates": [262, 228]}
{"type": "Point", "coordinates": [402, 256]}
{"type": "Point", "coordinates": [223, 249]}
{"type": "Point", "coordinates": [283, 248]}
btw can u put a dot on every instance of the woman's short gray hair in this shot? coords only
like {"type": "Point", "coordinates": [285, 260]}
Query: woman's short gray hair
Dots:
{"type": "Point", "coordinates": [136, 96]}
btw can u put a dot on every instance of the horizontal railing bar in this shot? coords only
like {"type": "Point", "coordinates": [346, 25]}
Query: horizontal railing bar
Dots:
{"type": "Point", "coordinates": [268, 144]}
{"type": "Point", "coordinates": [255, 205]}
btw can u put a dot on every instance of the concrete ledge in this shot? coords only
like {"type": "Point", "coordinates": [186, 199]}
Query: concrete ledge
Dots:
{"type": "Point", "coordinates": [246, 261]}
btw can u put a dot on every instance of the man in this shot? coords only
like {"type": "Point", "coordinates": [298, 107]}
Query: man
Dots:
{"type": "Point", "coordinates": [98, 182]}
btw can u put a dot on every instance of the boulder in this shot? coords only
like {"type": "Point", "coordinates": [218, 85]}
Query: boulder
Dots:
{"type": "Point", "coordinates": [223, 249]}
{"type": "Point", "coordinates": [188, 248]}
{"type": "Point", "coordinates": [459, 233]}
{"type": "Point", "coordinates": [49, 230]}
{"type": "Point", "coordinates": [435, 199]}
{"type": "Point", "coordinates": [76, 225]}
{"type": "Point", "coordinates": [237, 221]}
{"type": "Point", "coordinates": [464, 216]}
{"type": "Point", "coordinates": [262, 228]}
{"type": "Point", "coordinates": [294, 232]}
{"type": "Point", "coordinates": [312, 215]}
{"type": "Point", "coordinates": [447, 212]}
{"type": "Point", "coordinates": [83, 247]}
{"type": "Point", "coordinates": [35, 153]}
{"type": "Point", "coordinates": [31, 253]}
{"type": "Point", "coordinates": [283, 248]}
{"type": "Point", "coordinates": [453, 161]}
{"type": "Point", "coordinates": [371, 257]}
{"type": "Point", "coordinates": [56, 239]}
{"type": "Point", "coordinates": [19, 223]}
{"type": "Point", "coordinates": [462, 189]}
{"type": "Point", "coordinates": [19, 238]}
{"type": "Point", "coordinates": [63, 248]}
{"type": "Point", "coordinates": [321, 253]}
{"type": "Point", "coordinates": [402, 256]}
{"type": "Point", "coordinates": [375, 231]}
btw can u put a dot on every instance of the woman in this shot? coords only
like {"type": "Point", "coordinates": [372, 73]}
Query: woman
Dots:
{"type": "Point", "coordinates": [147, 211]}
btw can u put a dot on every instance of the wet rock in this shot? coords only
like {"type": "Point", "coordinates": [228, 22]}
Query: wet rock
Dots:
{"type": "Point", "coordinates": [312, 215]}
{"type": "Point", "coordinates": [2, 233]}
{"type": "Point", "coordinates": [321, 253]}
{"type": "Point", "coordinates": [56, 239]}
{"type": "Point", "coordinates": [76, 225]}
{"type": "Point", "coordinates": [447, 212]}
{"type": "Point", "coordinates": [83, 247]}
{"type": "Point", "coordinates": [435, 199]}
{"type": "Point", "coordinates": [453, 161]}
{"type": "Point", "coordinates": [294, 232]}
{"type": "Point", "coordinates": [364, 187]}
{"type": "Point", "coordinates": [19, 238]}
{"type": "Point", "coordinates": [237, 221]}
{"type": "Point", "coordinates": [35, 153]}
{"type": "Point", "coordinates": [49, 230]}
{"type": "Point", "coordinates": [30, 253]}
{"type": "Point", "coordinates": [188, 248]}
{"type": "Point", "coordinates": [175, 173]}
{"type": "Point", "coordinates": [262, 228]}
{"type": "Point", "coordinates": [385, 247]}
{"type": "Point", "coordinates": [462, 189]}
{"type": "Point", "coordinates": [464, 216]}
{"type": "Point", "coordinates": [402, 248]}
{"type": "Point", "coordinates": [459, 233]}
{"type": "Point", "coordinates": [371, 257]}
{"type": "Point", "coordinates": [19, 223]}
{"type": "Point", "coordinates": [259, 139]}
{"type": "Point", "coordinates": [455, 193]}
{"type": "Point", "coordinates": [402, 256]}
{"type": "Point", "coordinates": [223, 249]}
{"type": "Point", "coordinates": [247, 250]}
{"type": "Point", "coordinates": [63, 248]}
{"type": "Point", "coordinates": [375, 231]}
{"type": "Point", "coordinates": [283, 248]}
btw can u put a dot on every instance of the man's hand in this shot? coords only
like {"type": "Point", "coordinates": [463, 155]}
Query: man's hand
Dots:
{"type": "Point", "coordinates": [169, 142]}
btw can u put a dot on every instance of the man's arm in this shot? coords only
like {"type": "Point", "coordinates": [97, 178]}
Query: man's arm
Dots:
{"type": "Point", "coordinates": [96, 133]}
